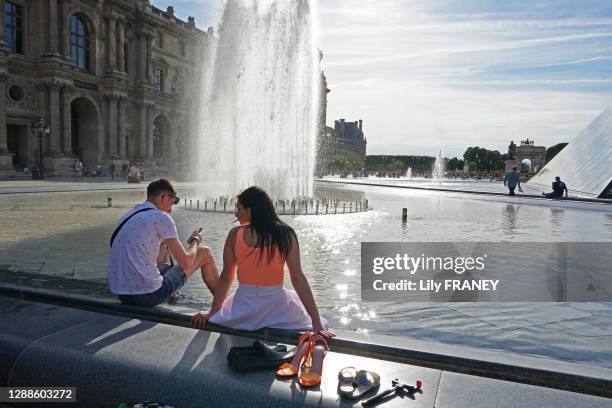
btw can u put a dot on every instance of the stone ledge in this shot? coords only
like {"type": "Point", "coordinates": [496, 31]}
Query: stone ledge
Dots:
{"type": "Point", "coordinates": [486, 193]}
{"type": "Point", "coordinates": [521, 369]}
{"type": "Point", "coordinates": [112, 359]}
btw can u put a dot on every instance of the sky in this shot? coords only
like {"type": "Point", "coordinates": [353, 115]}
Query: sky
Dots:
{"type": "Point", "coordinates": [430, 75]}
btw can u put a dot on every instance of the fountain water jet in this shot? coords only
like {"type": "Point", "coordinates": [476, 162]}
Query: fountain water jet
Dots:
{"type": "Point", "coordinates": [438, 168]}
{"type": "Point", "coordinates": [261, 100]}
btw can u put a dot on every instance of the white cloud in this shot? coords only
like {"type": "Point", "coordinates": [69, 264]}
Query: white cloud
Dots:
{"type": "Point", "coordinates": [448, 74]}
{"type": "Point", "coordinates": [422, 80]}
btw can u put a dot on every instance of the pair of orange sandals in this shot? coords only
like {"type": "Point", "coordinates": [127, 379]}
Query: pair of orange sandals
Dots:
{"type": "Point", "coordinates": [307, 363]}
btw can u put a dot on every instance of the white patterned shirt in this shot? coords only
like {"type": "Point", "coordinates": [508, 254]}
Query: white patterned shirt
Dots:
{"type": "Point", "coordinates": [132, 265]}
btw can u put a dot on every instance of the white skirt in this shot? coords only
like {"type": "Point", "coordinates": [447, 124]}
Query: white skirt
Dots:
{"type": "Point", "coordinates": [253, 307]}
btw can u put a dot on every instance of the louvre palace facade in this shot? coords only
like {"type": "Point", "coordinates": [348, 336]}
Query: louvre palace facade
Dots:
{"type": "Point", "coordinates": [114, 80]}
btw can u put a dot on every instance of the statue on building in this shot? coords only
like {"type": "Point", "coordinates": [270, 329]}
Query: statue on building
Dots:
{"type": "Point", "coordinates": [511, 150]}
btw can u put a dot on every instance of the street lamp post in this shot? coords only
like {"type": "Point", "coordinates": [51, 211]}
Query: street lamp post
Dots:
{"type": "Point", "coordinates": [39, 126]}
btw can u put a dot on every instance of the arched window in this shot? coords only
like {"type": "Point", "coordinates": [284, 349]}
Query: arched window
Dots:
{"type": "Point", "coordinates": [79, 42]}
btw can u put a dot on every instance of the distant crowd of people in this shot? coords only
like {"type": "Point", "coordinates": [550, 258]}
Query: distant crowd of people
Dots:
{"type": "Point", "coordinates": [134, 173]}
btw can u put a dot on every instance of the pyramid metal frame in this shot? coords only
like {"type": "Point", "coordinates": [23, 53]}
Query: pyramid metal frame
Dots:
{"type": "Point", "coordinates": [585, 164]}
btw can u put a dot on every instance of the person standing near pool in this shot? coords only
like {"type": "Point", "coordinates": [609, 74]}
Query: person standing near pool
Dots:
{"type": "Point", "coordinates": [144, 236]}
{"type": "Point", "coordinates": [512, 180]}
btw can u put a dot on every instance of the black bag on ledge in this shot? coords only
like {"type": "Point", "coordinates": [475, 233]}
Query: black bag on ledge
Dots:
{"type": "Point", "coordinates": [258, 357]}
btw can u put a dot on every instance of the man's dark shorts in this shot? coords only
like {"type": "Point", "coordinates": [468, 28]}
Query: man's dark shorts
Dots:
{"type": "Point", "coordinates": [174, 279]}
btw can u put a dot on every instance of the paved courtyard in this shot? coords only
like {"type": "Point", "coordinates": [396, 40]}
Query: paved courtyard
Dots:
{"type": "Point", "coordinates": [62, 228]}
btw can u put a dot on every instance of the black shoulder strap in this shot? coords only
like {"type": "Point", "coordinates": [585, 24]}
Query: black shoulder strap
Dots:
{"type": "Point", "coordinates": [123, 223]}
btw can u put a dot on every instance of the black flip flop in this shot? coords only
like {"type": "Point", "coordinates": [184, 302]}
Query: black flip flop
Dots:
{"type": "Point", "coordinates": [259, 356]}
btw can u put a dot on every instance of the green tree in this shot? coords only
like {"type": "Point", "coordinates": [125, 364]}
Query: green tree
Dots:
{"type": "Point", "coordinates": [396, 165]}
{"type": "Point", "coordinates": [419, 164]}
{"type": "Point", "coordinates": [346, 162]}
{"type": "Point", "coordinates": [454, 164]}
{"type": "Point", "coordinates": [552, 151]}
{"type": "Point", "coordinates": [484, 159]}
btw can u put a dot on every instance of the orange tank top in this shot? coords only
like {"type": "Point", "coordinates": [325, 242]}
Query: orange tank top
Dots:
{"type": "Point", "coordinates": [252, 270]}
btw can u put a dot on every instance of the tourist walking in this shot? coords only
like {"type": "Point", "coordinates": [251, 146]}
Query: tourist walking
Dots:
{"type": "Point", "coordinates": [143, 237]}
{"type": "Point", "coordinates": [512, 180]}
{"type": "Point", "coordinates": [112, 169]}
{"type": "Point", "coordinates": [257, 252]}
{"type": "Point", "coordinates": [558, 188]}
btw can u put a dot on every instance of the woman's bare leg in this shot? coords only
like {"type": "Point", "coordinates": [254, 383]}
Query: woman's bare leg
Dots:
{"type": "Point", "coordinates": [210, 273]}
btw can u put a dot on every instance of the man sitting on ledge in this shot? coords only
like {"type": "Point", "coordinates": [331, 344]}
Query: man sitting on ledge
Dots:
{"type": "Point", "coordinates": [558, 188]}
{"type": "Point", "coordinates": [143, 237]}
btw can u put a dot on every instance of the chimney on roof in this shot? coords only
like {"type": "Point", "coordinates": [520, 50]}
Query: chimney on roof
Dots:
{"type": "Point", "coordinates": [170, 11]}
{"type": "Point", "coordinates": [191, 21]}
{"type": "Point", "coordinates": [361, 125]}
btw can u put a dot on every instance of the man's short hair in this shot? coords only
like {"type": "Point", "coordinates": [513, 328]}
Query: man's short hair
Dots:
{"type": "Point", "coordinates": [159, 186]}
{"type": "Point", "coordinates": [514, 168]}
{"type": "Point", "coordinates": [557, 178]}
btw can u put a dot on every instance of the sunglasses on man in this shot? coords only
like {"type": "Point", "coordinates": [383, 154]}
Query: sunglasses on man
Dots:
{"type": "Point", "coordinates": [177, 199]}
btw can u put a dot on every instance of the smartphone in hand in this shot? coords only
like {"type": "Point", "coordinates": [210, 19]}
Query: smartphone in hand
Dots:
{"type": "Point", "coordinates": [191, 238]}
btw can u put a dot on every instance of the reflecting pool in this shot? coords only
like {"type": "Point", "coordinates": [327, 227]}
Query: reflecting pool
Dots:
{"type": "Point", "coordinates": [67, 234]}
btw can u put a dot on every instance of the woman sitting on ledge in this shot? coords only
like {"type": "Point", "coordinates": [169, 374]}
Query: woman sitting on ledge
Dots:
{"type": "Point", "coordinates": [258, 249]}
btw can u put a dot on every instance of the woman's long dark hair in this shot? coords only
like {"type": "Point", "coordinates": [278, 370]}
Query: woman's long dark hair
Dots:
{"type": "Point", "coordinates": [270, 230]}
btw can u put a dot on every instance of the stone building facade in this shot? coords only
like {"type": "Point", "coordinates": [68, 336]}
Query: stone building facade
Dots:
{"type": "Point", "coordinates": [348, 138]}
{"type": "Point", "coordinates": [345, 138]}
{"type": "Point", "coordinates": [322, 139]}
{"type": "Point", "coordinates": [115, 80]}
{"type": "Point", "coordinates": [526, 151]}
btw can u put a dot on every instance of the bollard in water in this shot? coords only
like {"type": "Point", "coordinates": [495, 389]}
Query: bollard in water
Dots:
{"type": "Point", "coordinates": [284, 212]}
{"type": "Point", "coordinates": [198, 205]}
{"type": "Point", "coordinates": [190, 204]}
{"type": "Point", "coordinates": [317, 211]}
{"type": "Point", "coordinates": [326, 207]}
{"type": "Point", "coordinates": [185, 201]}
{"type": "Point", "coordinates": [343, 208]}
{"type": "Point", "coordinates": [351, 207]}
{"type": "Point", "coordinates": [224, 205]}
{"type": "Point", "coordinates": [215, 206]}
{"type": "Point", "coordinates": [404, 214]}
{"type": "Point", "coordinates": [205, 205]}
{"type": "Point", "coordinates": [109, 202]}
{"type": "Point", "coordinates": [306, 204]}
